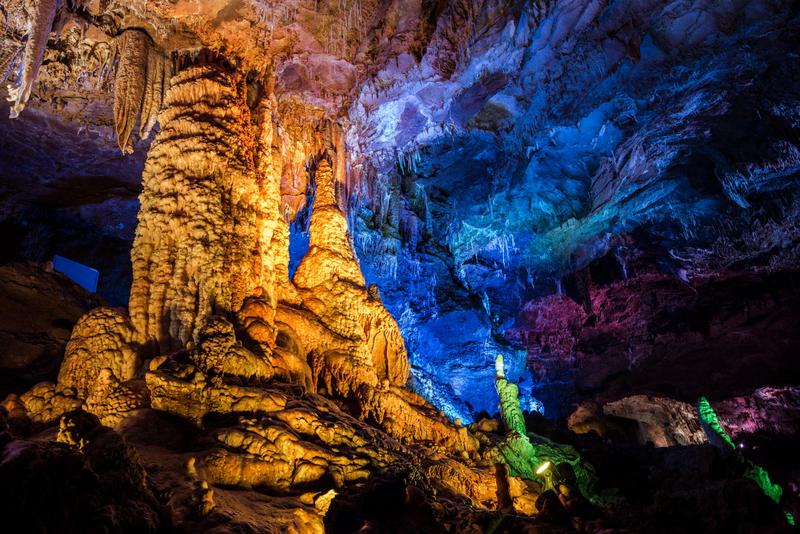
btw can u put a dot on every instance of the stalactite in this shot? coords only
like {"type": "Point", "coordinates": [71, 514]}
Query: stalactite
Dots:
{"type": "Point", "coordinates": [129, 85]}
{"type": "Point", "coordinates": [8, 57]}
{"type": "Point", "coordinates": [198, 247]}
{"type": "Point", "coordinates": [159, 72]}
{"type": "Point", "coordinates": [452, 35]}
{"type": "Point", "coordinates": [39, 27]}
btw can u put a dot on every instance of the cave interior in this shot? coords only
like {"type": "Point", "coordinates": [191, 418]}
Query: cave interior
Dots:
{"type": "Point", "coordinates": [473, 266]}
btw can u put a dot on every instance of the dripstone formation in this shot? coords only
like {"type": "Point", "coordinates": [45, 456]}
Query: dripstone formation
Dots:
{"type": "Point", "coordinates": [298, 384]}
{"type": "Point", "coordinates": [473, 266]}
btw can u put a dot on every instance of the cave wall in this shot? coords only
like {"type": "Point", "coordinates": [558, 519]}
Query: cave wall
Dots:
{"type": "Point", "coordinates": [658, 138]}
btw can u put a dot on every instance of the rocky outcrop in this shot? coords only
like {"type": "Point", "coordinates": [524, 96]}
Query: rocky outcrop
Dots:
{"type": "Point", "coordinates": [45, 403]}
{"type": "Point", "coordinates": [112, 401]}
{"type": "Point", "coordinates": [40, 308]}
{"type": "Point", "coordinates": [657, 335]}
{"type": "Point", "coordinates": [182, 389]}
{"type": "Point", "coordinates": [770, 411]}
{"type": "Point", "coordinates": [102, 339]}
{"type": "Point", "coordinates": [662, 422]}
{"type": "Point", "coordinates": [91, 480]}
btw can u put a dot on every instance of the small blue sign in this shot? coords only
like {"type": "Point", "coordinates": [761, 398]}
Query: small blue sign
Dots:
{"type": "Point", "coordinates": [84, 276]}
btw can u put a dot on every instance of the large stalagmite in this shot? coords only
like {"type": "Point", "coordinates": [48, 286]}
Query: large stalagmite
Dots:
{"type": "Point", "coordinates": [332, 287]}
{"type": "Point", "coordinates": [198, 247]}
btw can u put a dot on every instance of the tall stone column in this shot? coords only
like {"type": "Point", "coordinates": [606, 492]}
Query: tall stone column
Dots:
{"type": "Point", "coordinates": [200, 244]}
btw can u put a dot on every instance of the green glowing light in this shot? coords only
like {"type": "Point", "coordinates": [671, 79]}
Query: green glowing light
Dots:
{"type": "Point", "coordinates": [709, 417]}
{"type": "Point", "coordinates": [754, 472]}
{"type": "Point", "coordinates": [790, 518]}
{"type": "Point", "coordinates": [528, 455]}
{"type": "Point", "coordinates": [542, 468]}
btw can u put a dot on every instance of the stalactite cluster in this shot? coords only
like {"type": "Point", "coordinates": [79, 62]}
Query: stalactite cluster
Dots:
{"type": "Point", "coordinates": [40, 24]}
{"type": "Point", "coordinates": [142, 77]}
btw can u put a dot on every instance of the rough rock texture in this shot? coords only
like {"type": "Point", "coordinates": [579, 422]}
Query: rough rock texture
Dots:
{"type": "Point", "coordinates": [332, 287]}
{"type": "Point", "coordinates": [197, 249]}
{"type": "Point", "coordinates": [662, 422]}
{"type": "Point", "coordinates": [770, 411]}
{"type": "Point", "coordinates": [721, 336]}
{"type": "Point", "coordinates": [45, 402]}
{"type": "Point", "coordinates": [90, 481]}
{"type": "Point", "coordinates": [129, 85]}
{"type": "Point", "coordinates": [102, 339]}
{"type": "Point", "coordinates": [41, 17]}
{"type": "Point", "coordinates": [113, 401]}
{"type": "Point", "coordinates": [184, 390]}
{"type": "Point", "coordinates": [604, 192]}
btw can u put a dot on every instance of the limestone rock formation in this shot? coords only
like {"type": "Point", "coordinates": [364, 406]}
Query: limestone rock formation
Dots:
{"type": "Point", "coordinates": [331, 287]}
{"type": "Point", "coordinates": [198, 244]}
{"type": "Point", "coordinates": [183, 389]}
{"type": "Point", "coordinates": [129, 86]}
{"type": "Point", "coordinates": [33, 342]}
{"type": "Point", "coordinates": [45, 402]}
{"type": "Point", "coordinates": [506, 176]}
{"type": "Point", "coordinates": [103, 338]}
{"type": "Point", "coordinates": [218, 352]}
{"type": "Point", "coordinates": [41, 18]}
{"type": "Point", "coordinates": [278, 351]}
{"type": "Point", "coordinates": [773, 410]}
{"type": "Point", "coordinates": [112, 401]}
{"type": "Point", "coordinates": [662, 422]}
{"type": "Point", "coordinates": [90, 480]}
{"type": "Point", "coordinates": [142, 78]}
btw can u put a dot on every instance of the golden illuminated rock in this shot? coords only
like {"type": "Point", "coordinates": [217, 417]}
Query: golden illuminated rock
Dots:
{"type": "Point", "coordinates": [45, 403]}
{"type": "Point", "coordinates": [294, 384]}
{"type": "Point", "coordinates": [331, 287]}
{"type": "Point", "coordinates": [129, 86]}
{"type": "Point", "coordinates": [198, 247]}
{"type": "Point", "coordinates": [101, 339]}
{"type": "Point", "coordinates": [112, 401]}
{"type": "Point", "coordinates": [184, 390]}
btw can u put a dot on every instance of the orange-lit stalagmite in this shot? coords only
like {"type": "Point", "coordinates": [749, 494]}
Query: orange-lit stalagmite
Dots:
{"type": "Point", "coordinates": [331, 286]}
{"type": "Point", "coordinates": [198, 247]}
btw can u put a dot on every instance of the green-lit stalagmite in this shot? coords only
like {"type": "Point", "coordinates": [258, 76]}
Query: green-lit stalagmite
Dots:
{"type": "Point", "coordinates": [526, 453]}
{"type": "Point", "coordinates": [717, 434]}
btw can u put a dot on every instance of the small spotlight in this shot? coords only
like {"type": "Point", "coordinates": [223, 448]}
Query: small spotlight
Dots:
{"type": "Point", "coordinates": [542, 468]}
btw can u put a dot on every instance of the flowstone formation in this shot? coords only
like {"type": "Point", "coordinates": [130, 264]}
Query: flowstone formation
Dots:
{"type": "Point", "coordinates": [297, 385]}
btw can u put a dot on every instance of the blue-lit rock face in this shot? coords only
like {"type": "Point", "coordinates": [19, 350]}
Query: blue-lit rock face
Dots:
{"type": "Point", "coordinates": [589, 130]}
